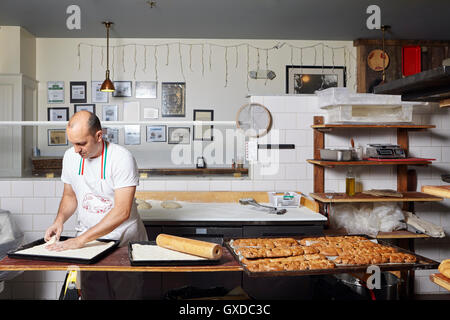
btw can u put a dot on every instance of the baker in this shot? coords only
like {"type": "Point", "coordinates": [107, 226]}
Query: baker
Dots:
{"type": "Point", "coordinates": [100, 180]}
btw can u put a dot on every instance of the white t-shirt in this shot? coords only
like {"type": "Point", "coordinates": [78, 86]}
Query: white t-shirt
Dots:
{"type": "Point", "coordinates": [94, 182]}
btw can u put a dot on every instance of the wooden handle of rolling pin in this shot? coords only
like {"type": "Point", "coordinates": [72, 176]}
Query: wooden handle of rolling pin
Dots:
{"type": "Point", "coordinates": [195, 247]}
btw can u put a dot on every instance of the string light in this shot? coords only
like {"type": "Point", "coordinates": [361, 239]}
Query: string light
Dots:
{"type": "Point", "coordinates": [348, 56]}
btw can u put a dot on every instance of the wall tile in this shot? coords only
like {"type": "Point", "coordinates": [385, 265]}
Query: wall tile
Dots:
{"type": "Point", "coordinates": [154, 185]}
{"type": "Point", "coordinates": [263, 185]}
{"type": "Point", "coordinates": [34, 205]}
{"type": "Point", "coordinates": [13, 205]}
{"type": "Point", "coordinates": [5, 189]}
{"type": "Point", "coordinates": [198, 185]}
{"type": "Point", "coordinates": [217, 185]}
{"type": "Point", "coordinates": [59, 188]}
{"type": "Point", "coordinates": [241, 185]}
{"type": "Point", "coordinates": [173, 185]}
{"type": "Point", "coordinates": [42, 222]}
{"type": "Point", "coordinates": [283, 186]}
{"type": "Point", "coordinates": [52, 205]}
{"type": "Point", "coordinates": [44, 188]}
{"type": "Point", "coordinates": [22, 188]}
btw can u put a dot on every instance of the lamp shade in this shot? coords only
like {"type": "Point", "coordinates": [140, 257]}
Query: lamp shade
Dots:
{"type": "Point", "coordinates": [107, 86]}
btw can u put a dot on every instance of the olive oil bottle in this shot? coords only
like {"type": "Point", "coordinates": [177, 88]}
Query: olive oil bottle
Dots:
{"type": "Point", "coordinates": [350, 183]}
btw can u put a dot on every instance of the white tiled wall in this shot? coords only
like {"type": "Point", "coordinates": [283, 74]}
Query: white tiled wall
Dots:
{"type": "Point", "coordinates": [34, 203]}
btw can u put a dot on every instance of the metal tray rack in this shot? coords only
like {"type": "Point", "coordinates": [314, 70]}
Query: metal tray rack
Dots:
{"type": "Point", "coordinates": [164, 263]}
{"type": "Point", "coordinates": [421, 262]}
{"type": "Point", "coordinates": [98, 257]}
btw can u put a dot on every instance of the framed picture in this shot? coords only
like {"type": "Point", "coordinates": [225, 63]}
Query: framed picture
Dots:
{"type": "Point", "coordinates": [308, 79]}
{"type": "Point", "coordinates": [146, 89]}
{"type": "Point", "coordinates": [111, 135]}
{"type": "Point", "coordinates": [55, 91]}
{"type": "Point", "coordinates": [78, 92]}
{"type": "Point", "coordinates": [132, 134]}
{"type": "Point", "coordinates": [58, 114]}
{"type": "Point", "coordinates": [203, 133]}
{"type": "Point", "coordinates": [57, 137]}
{"type": "Point", "coordinates": [178, 135]}
{"type": "Point", "coordinates": [173, 96]}
{"type": "Point", "coordinates": [88, 107]}
{"type": "Point", "coordinates": [156, 134]}
{"type": "Point", "coordinates": [97, 95]}
{"type": "Point", "coordinates": [110, 113]}
{"type": "Point", "coordinates": [123, 89]}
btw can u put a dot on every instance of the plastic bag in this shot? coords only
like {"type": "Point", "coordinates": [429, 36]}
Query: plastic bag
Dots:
{"type": "Point", "coordinates": [367, 218]}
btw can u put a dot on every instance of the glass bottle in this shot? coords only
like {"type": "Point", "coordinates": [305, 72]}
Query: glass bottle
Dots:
{"type": "Point", "coordinates": [350, 183]}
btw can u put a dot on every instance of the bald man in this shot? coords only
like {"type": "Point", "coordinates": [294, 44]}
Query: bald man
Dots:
{"type": "Point", "coordinates": [100, 180]}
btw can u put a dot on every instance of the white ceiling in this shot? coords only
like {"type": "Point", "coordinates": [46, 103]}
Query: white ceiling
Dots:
{"type": "Point", "coordinates": [232, 19]}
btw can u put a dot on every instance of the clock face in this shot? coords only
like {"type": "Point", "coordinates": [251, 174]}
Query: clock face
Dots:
{"type": "Point", "coordinates": [375, 60]}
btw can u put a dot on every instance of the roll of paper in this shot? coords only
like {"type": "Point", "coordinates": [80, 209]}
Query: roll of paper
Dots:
{"type": "Point", "coordinates": [195, 247]}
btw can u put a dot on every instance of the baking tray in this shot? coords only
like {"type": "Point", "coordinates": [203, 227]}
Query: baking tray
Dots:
{"type": "Point", "coordinates": [421, 263]}
{"type": "Point", "coordinates": [165, 263]}
{"type": "Point", "coordinates": [98, 257]}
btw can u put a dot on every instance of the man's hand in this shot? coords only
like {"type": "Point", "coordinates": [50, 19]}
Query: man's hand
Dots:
{"type": "Point", "coordinates": [73, 243]}
{"type": "Point", "coordinates": [54, 230]}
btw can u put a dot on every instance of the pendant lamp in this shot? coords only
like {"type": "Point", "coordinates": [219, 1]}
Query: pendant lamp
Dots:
{"type": "Point", "coordinates": [107, 85]}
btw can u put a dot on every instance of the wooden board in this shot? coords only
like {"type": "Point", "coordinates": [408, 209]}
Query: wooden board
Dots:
{"type": "Point", "coordinates": [116, 261]}
{"type": "Point", "coordinates": [440, 280]}
{"type": "Point", "coordinates": [217, 197]}
{"type": "Point", "coordinates": [401, 234]}
{"type": "Point", "coordinates": [203, 196]}
{"type": "Point", "coordinates": [439, 191]}
{"type": "Point", "coordinates": [360, 197]}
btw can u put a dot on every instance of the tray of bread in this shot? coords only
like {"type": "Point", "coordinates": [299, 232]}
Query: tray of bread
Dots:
{"type": "Point", "coordinates": [321, 255]}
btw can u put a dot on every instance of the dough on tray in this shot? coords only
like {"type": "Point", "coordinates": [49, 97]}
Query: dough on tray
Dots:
{"type": "Point", "coordinates": [89, 251]}
{"type": "Point", "coordinates": [144, 205]}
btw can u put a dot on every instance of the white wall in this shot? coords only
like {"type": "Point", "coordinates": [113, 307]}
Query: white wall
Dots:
{"type": "Point", "coordinates": [10, 52]}
{"type": "Point", "coordinates": [217, 83]}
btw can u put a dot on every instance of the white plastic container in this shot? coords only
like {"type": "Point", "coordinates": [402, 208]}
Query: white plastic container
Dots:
{"type": "Point", "coordinates": [285, 200]}
{"type": "Point", "coordinates": [344, 106]}
{"type": "Point", "coordinates": [342, 96]}
{"type": "Point", "coordinates": [369, 114]}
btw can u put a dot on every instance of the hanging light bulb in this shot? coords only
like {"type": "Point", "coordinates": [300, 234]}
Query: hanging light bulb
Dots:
{"type": "Point", "coordinates": [107, 85]}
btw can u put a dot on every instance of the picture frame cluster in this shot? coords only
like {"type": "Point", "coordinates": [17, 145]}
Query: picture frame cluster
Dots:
{"type": "Point", "coordinates": [173, 104]}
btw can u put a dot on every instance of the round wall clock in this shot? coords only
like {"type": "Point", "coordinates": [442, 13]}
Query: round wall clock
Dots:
{"type": "Point", "coordinates": [375, 60]}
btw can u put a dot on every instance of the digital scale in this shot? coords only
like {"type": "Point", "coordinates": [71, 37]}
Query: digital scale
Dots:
{"type": "Point", "coordinates": [385, 151]}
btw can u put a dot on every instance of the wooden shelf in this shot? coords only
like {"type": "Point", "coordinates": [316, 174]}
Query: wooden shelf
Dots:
{"type": "Point", "coordinates": [360, 197]}
{"type": "Point", "coordinates": [193, 171]}
{"type": "Point", "coordinates": [380, 126]}
{"type": "Point", "coordinates": [401, 234]}
{"type": "Point", "coordinates": [332, 164]}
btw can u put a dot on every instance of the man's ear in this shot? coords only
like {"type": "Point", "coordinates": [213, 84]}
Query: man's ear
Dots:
{"type": "Point", "coordinates": [99, 135]}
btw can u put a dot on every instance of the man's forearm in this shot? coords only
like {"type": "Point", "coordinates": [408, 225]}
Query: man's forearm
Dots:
{"type": "Point", "coordinates": [67, 207]}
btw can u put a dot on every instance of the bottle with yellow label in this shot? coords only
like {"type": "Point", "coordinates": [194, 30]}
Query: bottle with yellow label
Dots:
{"type": "Point", "coordinates": [350, 183]}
